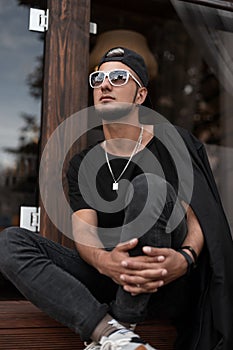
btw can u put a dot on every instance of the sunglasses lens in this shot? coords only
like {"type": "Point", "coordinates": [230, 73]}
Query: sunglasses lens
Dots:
{"type": "Point", "coordinates": [96, 79]}
{"type": "Point", "coordinates": [118, 77]}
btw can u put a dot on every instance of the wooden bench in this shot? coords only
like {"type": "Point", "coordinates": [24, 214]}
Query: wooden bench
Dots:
{"type": "Point", "coordinates": [24, 327]}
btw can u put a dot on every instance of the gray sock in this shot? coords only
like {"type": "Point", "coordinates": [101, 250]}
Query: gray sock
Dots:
{"type": "Point", "coordinates": [106, 326]}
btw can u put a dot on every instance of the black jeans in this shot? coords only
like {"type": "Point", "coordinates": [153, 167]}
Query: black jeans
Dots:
{"type": "Point", "coordinates": [60, 283]}
{"type": "Point", "coordinates": [152, 202]}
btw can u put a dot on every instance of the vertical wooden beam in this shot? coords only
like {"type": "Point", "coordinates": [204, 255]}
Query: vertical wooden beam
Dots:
{"type": "Point", "coordinates": [65, 89]}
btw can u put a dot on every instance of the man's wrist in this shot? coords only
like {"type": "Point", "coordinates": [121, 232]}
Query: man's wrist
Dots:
{"type": "Point", "coordinates": [191, 251]}
{"type": "Point", "coordinates": [100, 258]}
{"type": "Point", "coordinates": [188, 258]}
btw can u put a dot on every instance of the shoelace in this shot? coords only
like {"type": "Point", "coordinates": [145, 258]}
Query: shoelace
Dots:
{"type": "Point", "coordinates": [92, 345]}
{"type": "Point", "coordinates": [114, 344]}
{"type": "Point", "coordinates": [115, 324]}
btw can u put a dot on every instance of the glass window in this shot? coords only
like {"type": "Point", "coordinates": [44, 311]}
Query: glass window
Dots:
{"type": "Point", "coordinates": [210, 27]}
{"type": "Point", "coordinates": [191, 70]}
{"type": "Point", "coordinates": [21, 63]}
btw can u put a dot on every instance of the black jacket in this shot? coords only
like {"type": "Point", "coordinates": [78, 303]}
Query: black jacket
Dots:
{"type": "Point", "coordinates": [212, 282]}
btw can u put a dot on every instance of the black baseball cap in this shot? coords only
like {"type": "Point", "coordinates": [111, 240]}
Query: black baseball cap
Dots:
{"type": "Point", "coordinates": [131, 59]}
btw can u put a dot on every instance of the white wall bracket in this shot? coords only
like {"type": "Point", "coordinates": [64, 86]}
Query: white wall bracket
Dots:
{"type": "Point", "coordinates": [38, 20]}
{"type": "Point", "coordinates": [30, 218]}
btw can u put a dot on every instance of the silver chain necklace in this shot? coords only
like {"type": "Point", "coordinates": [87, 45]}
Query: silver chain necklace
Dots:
{"type": "Point", "coordinates": [115, 185]}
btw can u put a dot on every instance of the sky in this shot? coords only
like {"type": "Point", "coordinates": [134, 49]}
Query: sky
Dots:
{"type": "Point", "coordinates": [19, 49]}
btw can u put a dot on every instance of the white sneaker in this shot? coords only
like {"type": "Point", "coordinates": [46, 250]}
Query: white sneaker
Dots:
{"type": "Point", "coordinates": [124, 339]}
{"type": "Point", "coordinates": [118, 325]}
{"type": "Point", "coordinates": [92, 346]}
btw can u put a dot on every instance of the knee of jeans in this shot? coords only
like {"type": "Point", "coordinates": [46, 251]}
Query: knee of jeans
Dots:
{"type": "Point", "coordinates": [139, 185]}
{"type": "Point", "coordinates": [137, 194]}
{"type": "Point", "coordinates": [9, 237]}
{"type": "Point", "coordinates": [152, 188]}
{"type": "Point", "coordinates": [147, 198]}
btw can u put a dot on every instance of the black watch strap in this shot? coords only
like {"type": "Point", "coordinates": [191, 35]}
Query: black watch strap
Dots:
{"type": "Point", "coordinates": [192, 251]}
{"type": "Point", "coordinates": [189, 260]}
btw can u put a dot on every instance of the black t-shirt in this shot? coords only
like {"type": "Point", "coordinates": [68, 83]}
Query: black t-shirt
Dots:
{"type": "Point", "coordinates": [90, 181]}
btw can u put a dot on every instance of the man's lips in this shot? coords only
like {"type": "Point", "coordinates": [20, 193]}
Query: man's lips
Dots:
{"type": "Point", "coordinates": [106, 98]}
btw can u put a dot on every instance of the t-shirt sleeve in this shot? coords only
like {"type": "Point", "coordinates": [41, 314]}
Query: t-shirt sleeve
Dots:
{"type": "Point", "coordinates": [76, 199]}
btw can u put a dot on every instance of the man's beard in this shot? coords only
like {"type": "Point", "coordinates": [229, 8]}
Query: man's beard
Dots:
{"type": "Point", "coordinates": [118, 111]}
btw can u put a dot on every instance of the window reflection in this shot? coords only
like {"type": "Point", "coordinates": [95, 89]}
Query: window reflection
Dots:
{"type": "Point", "coordinates": [211, 29]}
{"type": "Point", "coordinates": [193, 88]}
{"type": "Point", "coordinates": [20, 98]}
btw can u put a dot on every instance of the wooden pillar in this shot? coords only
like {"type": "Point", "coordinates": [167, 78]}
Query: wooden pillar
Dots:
{"type": "Point", "coordinates": [65, 89]}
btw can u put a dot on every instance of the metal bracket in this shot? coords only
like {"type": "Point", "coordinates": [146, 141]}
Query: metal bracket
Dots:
{"type": "Point", "coordinates": [30, 218]}
{"type": "Point", "coordinates": [38, 20]}
{"type": "Point", "coordinates": [93, 28]}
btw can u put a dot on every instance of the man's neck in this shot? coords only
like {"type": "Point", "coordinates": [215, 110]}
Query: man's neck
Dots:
{"type": "Point", "coordinates": [121, 138]}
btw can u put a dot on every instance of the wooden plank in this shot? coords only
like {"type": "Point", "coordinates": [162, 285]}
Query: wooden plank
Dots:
{"type": "Point", "coordinates": [23, 314]}
{"type": "Point", "coordinates": [39, 339]}
{"type": "Point", "coordinates": [24, 326]}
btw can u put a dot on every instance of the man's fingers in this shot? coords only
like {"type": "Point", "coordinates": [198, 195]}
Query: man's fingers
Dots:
{"type": "Point", "coordinates": [144, 276]}
{"type": "Point", "coordinates": [142, 263]}
{"type": "Point", "coordinates": [150, 287]}
{"type": "Point", "coordinates": [156, 252]}
{"type": "Point", "coordinates": [124, 247]}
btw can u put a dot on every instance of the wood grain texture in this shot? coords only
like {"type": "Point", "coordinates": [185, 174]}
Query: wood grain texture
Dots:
{"type": "Point", "coordinates": [24, 326]}
{"type": "Point", "coordinates": [65, 89]}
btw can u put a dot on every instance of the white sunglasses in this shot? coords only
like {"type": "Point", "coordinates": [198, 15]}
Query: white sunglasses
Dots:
{"type": "Point", "coordinates": [116, 77]}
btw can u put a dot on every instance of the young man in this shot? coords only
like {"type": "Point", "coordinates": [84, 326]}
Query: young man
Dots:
{"type": "Point", "coordinates": [131, 259]}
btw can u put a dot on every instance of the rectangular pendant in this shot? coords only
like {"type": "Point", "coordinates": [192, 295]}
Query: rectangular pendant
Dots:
{"type": "Point", "coordinates": [115, 186]}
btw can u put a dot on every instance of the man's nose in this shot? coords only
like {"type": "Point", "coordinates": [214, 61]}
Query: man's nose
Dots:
{"type": "Point", "coordinates": [106, 84]}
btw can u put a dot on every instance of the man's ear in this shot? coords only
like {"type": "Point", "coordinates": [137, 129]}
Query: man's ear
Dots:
{"type": "Point", "coordinates": [141, 95]}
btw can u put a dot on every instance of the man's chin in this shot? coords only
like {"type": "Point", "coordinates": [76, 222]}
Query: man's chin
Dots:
{"type": "Point", "coordinates": [113, 111]}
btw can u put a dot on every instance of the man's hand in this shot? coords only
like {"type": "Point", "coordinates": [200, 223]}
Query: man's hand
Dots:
{"type": "Point", "coordinates": [141, 274]}
{"type": "Point", "coordinates": [145, 274]}
{"type": "Point", "coordinates": [110, 263]}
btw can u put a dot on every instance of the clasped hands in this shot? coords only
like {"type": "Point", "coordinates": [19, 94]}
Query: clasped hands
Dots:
{"type": "Point", "coordinates": [146, 273]}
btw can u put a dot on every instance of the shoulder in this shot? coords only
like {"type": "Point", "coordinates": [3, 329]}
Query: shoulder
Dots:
{"type": "Point", "coordinates": [76, 161]}
{"type": "Point", "coordinates": [189, 138]}
{"type": "Point", "coordinates": [175, 137]}
{"type": "Point", "coordinates": [78, 157]}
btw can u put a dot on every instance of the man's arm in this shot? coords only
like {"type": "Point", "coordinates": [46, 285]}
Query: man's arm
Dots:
{"type": "Point", "coordinates": [195, 237]}
{"type": "Point", "coordinates": [91, 250]}
{"type": "Point", "coordinates": [170, 262]}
